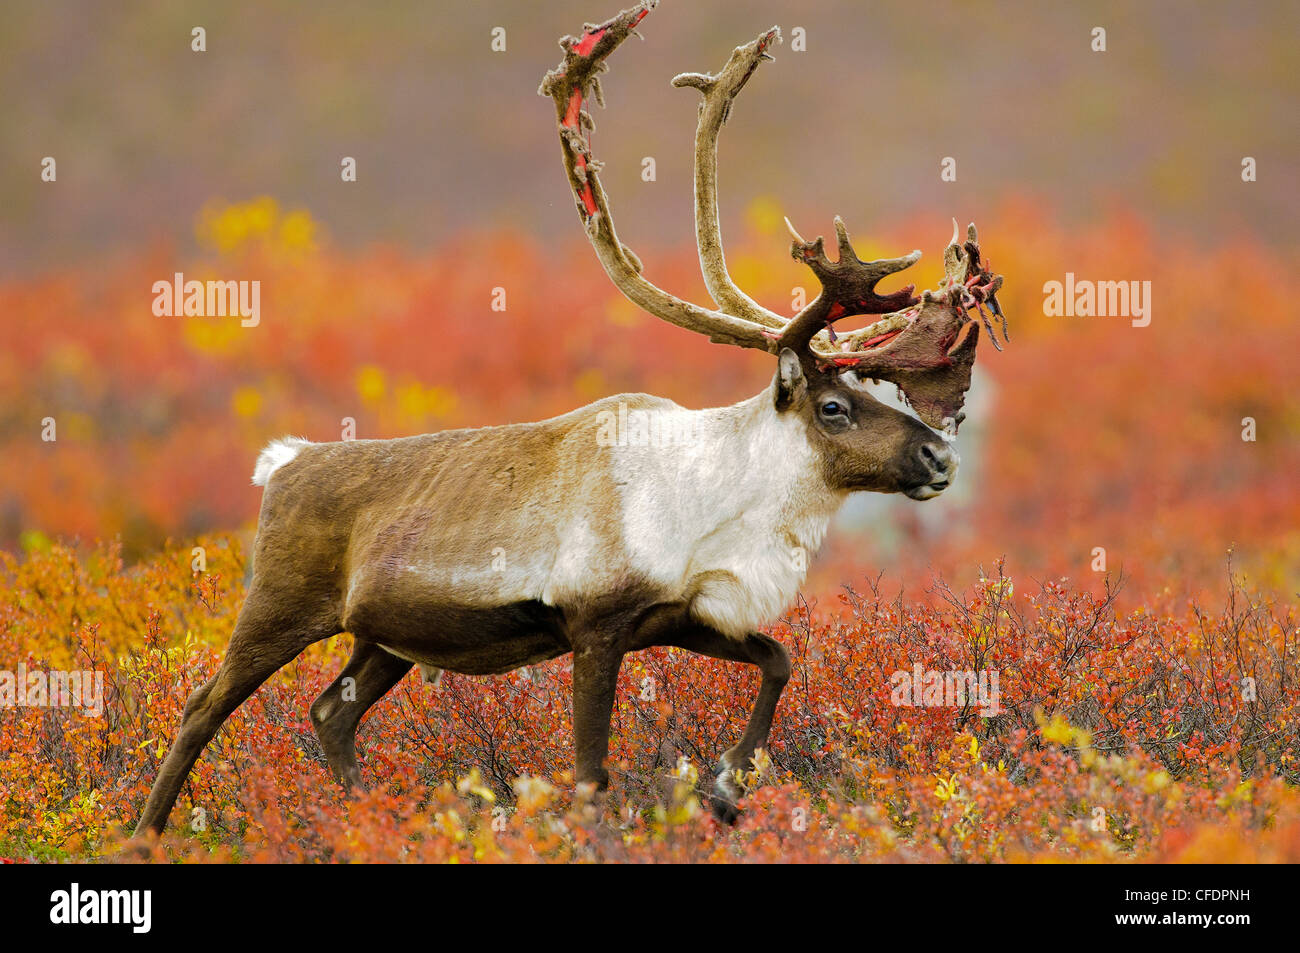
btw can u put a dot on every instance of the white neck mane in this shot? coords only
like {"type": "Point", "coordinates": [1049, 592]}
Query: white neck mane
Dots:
{"type": "Point", "coordinates": [730, 517]}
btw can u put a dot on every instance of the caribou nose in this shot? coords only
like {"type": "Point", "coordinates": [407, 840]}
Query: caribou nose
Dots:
{"type": "Point", "coordinates": [940, 459]}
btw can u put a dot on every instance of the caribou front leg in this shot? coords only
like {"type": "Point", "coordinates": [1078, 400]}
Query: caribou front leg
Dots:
{"type": "Point", "coordinates": [773, 661]}
{"type": "Point", "coordinates": [595, 679]}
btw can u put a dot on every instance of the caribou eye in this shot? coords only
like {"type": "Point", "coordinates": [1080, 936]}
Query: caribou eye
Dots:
{"type": "Point", "coordinates": [833, 408]}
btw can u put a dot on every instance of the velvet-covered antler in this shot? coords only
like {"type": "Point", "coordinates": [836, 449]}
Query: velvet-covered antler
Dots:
{"type": "Point", "coordinates": [926, 346]}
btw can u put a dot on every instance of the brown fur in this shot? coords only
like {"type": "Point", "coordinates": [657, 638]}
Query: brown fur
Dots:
{"type": "Point", "coordinates": [393, 541]}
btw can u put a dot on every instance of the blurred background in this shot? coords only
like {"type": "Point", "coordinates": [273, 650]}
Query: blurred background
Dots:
{"type": "Point", "coordinates": [376, 294]}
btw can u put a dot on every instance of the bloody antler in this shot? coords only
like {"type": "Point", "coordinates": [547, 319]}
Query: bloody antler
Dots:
{"type": "Point", "coordinates": [571, 85]}
{"type": "Point", "coordinates": [848, 286]}
{"type": "Point", "coordinates": [926, 346]}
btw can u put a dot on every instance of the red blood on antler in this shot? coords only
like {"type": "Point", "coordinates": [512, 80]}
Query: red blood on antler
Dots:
{"type": "Point", "coordinates": [927, 348]}
{"type": "Point", "coordinates": [924, 345]}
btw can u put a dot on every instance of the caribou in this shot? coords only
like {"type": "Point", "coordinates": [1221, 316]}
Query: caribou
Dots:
{"type": "Point", "coordinates": [612, 546]}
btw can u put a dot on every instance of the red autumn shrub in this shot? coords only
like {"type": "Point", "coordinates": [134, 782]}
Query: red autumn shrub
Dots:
{"type": "Point", "coordinates": [1151, 735]}
{"type": "Point", "coordinates": [1085, 433]}
{"type": "Point", "coordinates": [1140, 725]}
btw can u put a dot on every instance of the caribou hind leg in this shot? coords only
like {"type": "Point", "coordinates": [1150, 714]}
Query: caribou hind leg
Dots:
{"type": "Point", "coordinates": [267, 636]}
{"type": "Point", "coordinates": [338, 711]}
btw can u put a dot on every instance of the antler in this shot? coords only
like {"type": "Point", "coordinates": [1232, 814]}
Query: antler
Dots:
{"type": "Point", "coordinates": [718, 91]}
{"type": "Point", "coordinates": [848, 287]}
{"type": "Point", "coordinates": [923, 345]}
{"type": "Point", "coordinates": [927, 348]}
{"type": "Point", "coordinates": [571, 84]}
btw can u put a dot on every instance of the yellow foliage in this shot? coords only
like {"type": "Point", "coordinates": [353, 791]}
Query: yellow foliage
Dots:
{"type": "Point", "coordinates": [371, 384]}
{"type": "Point", "coordinates": [246, 402]}
{"type": "Point", "coordinates": [232, 227]}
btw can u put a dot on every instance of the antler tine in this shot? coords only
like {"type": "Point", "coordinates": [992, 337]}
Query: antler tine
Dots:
{"type": "Point", "coordinates": [848, 286]}
{"type": "Point", "coordinates": [718, 92]}
{"type": "Point", "coordinates": [570, 85]}
{"type": "Point", "coordinates": [971, 282]}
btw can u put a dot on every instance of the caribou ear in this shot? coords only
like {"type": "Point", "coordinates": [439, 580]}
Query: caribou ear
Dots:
{"type": "Point", "coordinates": [791, 384]}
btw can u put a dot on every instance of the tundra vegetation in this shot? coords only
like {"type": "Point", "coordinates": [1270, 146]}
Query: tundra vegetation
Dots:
{"type": "Point", "coordinates": [1123, 734]}
{"type": "Point", "coordinates": [1157, 721]}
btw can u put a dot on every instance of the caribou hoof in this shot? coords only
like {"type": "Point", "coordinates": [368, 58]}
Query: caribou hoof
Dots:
{"type": "Point", "coordinates": [726, 794]}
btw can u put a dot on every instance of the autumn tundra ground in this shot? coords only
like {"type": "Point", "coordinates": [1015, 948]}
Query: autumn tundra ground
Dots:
{"type": "Point", "coordinates": [1110, 735]}
{"type": "Point", "coordinates": [1118, 562]}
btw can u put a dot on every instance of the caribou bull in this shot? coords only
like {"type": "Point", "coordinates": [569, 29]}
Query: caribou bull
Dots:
{"type": "Point", "coordinates": [611, 545]}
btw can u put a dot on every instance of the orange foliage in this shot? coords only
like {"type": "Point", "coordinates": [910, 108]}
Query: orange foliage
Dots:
{"type": "Point", "coordinates": [1122, 736]}
{"type": "Point", "coordinates": [1097, 434]}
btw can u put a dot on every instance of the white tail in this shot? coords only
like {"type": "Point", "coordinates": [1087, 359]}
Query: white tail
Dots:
{"type": "Point", "coordinates": [277, 454]}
